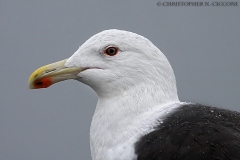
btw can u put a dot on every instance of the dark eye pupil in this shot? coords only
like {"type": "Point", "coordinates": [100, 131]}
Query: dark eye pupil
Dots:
{"type": "Point", "coordinates": [111, 51]}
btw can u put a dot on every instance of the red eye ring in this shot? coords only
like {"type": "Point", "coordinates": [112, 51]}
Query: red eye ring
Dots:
{"type": "Point", "coordinates": [111, 51]}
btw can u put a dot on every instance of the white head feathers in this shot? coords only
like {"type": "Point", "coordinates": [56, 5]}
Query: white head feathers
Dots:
{"type": "Point", "coordinates": [138, 62]}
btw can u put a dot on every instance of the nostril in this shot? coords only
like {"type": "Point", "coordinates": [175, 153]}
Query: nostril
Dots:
{"type": "Point", "coordinates": [47, 71]}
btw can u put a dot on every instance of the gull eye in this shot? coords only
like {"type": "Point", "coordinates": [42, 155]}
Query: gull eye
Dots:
{"type": "Point", "coordinates": [111, 51]}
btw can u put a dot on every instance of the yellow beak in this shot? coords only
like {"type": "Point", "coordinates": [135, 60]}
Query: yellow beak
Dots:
{"type": "Point", "coordinates": [47, 75]}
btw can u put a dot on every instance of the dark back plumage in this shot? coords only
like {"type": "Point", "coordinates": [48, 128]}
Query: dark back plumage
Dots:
{"type": "Point", "coordinates": [193, 132]}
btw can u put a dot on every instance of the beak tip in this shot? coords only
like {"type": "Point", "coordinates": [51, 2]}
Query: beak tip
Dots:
{"type": "Point", "coordinates": [49, 74]}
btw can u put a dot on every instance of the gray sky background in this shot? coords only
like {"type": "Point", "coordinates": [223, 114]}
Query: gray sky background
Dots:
{"type": "Point", "coordinates": [201, 43]}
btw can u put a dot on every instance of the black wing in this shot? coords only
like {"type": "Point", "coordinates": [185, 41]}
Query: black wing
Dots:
{"type": "Point", "coordinates": [193, 132]}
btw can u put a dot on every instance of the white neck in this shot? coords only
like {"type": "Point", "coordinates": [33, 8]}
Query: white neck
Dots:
{"type": "Point", "coordinates": [118, 121]}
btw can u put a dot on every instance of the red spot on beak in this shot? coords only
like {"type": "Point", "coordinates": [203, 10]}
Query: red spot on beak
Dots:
{"type": "Point", "coordinates": [43, 83]}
